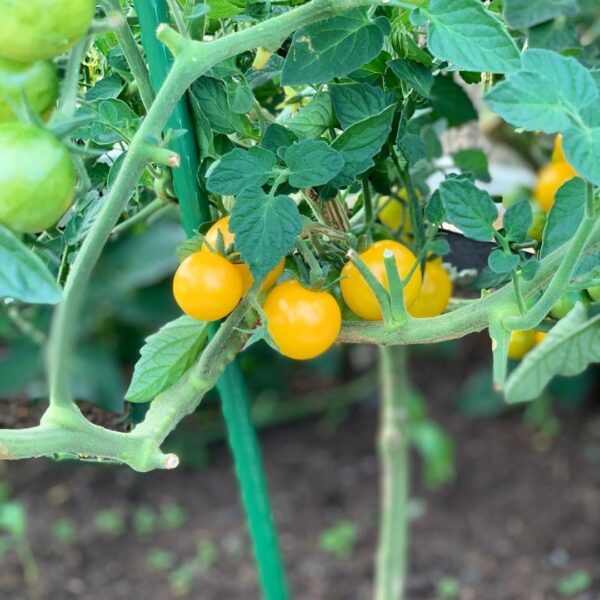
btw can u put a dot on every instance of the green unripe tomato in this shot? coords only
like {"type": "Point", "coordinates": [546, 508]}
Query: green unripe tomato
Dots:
{"type": "Point", "coordinates": [38, 82]}
{"type": "Point", "coordinates": [538, 223]}
{"type": "Point", "coordinates": [37, 178]}
{"type": "Point", "coordinates": [32, 30]}
{"type": "Point", "coordinates": [564, 306]}
{"type": "Point", "coordinates": [594, 292]}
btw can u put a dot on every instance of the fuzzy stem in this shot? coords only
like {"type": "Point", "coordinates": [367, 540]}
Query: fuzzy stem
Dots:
{"type": "Point", "coordinates": [133, 56]}
{"type": "Point", "coordinates": [390, 571]}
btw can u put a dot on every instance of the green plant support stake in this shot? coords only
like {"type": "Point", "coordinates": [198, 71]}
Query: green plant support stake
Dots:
{"type": "Point", "coordinates": [236, 411]}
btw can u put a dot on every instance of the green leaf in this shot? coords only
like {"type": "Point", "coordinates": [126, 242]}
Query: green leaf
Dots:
{"type": "Point", "coordinates": [565, 215]}
{"type": "Point", "coordinates": [582, 149]}
{"type": "Point", "coordinates": [416, 75]}
{"type": "Point", "coordinates": [106, 88]}
{"type": "Point", "coordinates": [354, 102]}
{"type": "Point", "coordinates": [502, 262]}
{"type": "Point", "coordinates": [522, 15]}
{"type": "Point", "coordinates": [113, 121]}
{"type": "Point", "coordinates": [239, 169]}
{"type": "Point", "coordinates": [466, 34]}
{"type": "Point", "coordinates": [165, 357]}
{"type": "Point", "coordinates": [360, 142]}
{"type": "Point", "coordinates": [517, 221]}
{"type": "Point", "coordinates": [265, 228]}
{"type": "Point", "coordinates": [413, 147]}
{"type": "Point", "coordinates": [332, 48]}
{"type": "Point", "coordinates": [570, 346]}
{"type": "Point", "coordinates": [276, 137]}
{"type": "Point", "coordinates": [434, 209]}
{"type": "Point", "coordinates": [450, 101]}
{"type": "Point", "coordinates": [312, 163]}
{"type": "Point", "coordinates": [473, 160]}
{"type": "Point", "coordinates": [470, 209]}
{"type": "Point", "coordinates": [242, 98]}
{"type": "Point", "coordinates": [223, 9]}
{"type": "Point", "coordinates": [545, 93]}
{"type": "Point", "coordinates": [314, 118]}
{"type": "Point", "coordinates": [211, 97]}
{"type": "Point", "coordinates": [23, 275]}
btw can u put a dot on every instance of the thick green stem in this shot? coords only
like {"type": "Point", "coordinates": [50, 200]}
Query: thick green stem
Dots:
{"type": "Point", "coordinates": [390, 571]}
{"type": "Point", "coordinates": [134, 57]}
{"type": "Point", "coordinates": [64, 324]}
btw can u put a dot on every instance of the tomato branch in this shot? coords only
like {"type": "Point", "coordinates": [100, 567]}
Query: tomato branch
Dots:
{"type": "Point", "coordinates": [475, 316]}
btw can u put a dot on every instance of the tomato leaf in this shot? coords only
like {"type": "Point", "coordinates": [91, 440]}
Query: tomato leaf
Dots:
{"type": "Point", "coordinates": [312, 163]}
{"type": "Point", "coordinates": [465, 33]}
{"type": "Point", "coordinates": [517, 221]}
{"type": "Point", "coordinates": [354, 102]}
{"type": "Point", "coordinates": [23, 275]}
{"type": "Point", "coordinates": [582, 148]}
{"type": "Point", "coordinates": [360, 142]}
{"type": "Point", "coordinates": [265, 228]}
{"type": "Point", "coordinates": [210, 96]}
{"type": "Point", "coordinates": [416, 75]}
{"type": "Point", "coordinates": [277, 136]}
{"type": "Point", "coordinates": [450, 101]}
{"type": "Point", "coordinates": [502, 262]}
{"type": "Point", "coordinates": [570, 346]}
{"type": "Point", "coordinates": [165, 357]}
{"type": "Point", "coordinates": [473, 160]}
{"type": "Point", "coordinates": [472, 210]}
{"type": "Point", "coordinates": [332, 48]}
{"type": "Point", "coordinates": [545, 93]}
{"type": "Point", "coordinates": [239, 169]}
{"type": "Point", "coordinates": [565, 215]}
{"type": "Point", "coordinates": [522, 15]}
{"type": "Point", "coordinates": [314, 118]}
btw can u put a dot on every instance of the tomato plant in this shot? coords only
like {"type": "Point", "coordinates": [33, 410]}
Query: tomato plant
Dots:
{"type": "Point", "coordinates": [320, 129]}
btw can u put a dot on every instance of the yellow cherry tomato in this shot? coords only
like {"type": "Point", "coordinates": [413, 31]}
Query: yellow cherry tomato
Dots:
{"type": "Point", "coordinates": [558, 154]}
{"type": "Point", "coordinates": [356, 292]}
{"type": "Point", "coordinates": [261, 59]}
{"type": "Point", "coordinates": [395, 213]}
{"type": "Point", "coordinates": [540, 336]}
{"type": "Point", "coordinates": [303, 323]}
{"type": "Point", "coordinates": [207, 286]}
{"type": "Point", "coordinates": [222, 226]}
{"type": "Point", "coordinates": [435, 292]}
{"type": "Point", "coordinates": [551, 177]}
{"type": "Point", "coordinates": [521, 342]}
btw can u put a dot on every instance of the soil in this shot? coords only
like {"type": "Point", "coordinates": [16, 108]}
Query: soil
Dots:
{"type": "Point", "coordinates": [521, 513]}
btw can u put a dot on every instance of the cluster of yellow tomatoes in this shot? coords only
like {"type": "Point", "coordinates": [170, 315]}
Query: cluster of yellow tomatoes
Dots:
{"type": "Point", "coordinates": [302, 322]}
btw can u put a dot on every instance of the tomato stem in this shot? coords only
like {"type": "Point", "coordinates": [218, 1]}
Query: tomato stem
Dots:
{"type": "Point", "coordinates": [391, 561]}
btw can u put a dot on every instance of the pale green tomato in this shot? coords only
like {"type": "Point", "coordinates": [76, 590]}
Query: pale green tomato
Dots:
{"type": "Point", "coordinates": [37, 178]}
{"type": "Point", "coordinates": [37, 81]}
{"type": "Point", "coordinates": [594, 292]}
{"type": "Point", "coordinates": [32, 30]}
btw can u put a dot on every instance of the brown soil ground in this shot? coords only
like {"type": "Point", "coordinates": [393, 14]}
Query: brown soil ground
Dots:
{"type": "Point", "coordinates": [519, 516]}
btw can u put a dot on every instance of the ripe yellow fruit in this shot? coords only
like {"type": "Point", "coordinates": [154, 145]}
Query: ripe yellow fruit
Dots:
{"type": "Point", "coordinates": [550, 178]}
